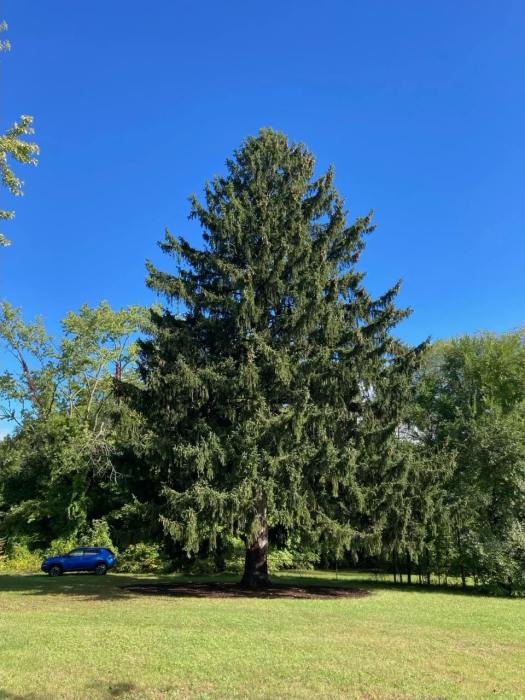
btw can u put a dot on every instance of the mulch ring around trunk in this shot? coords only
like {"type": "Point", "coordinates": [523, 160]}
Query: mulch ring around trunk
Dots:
{"type": "Point", "coordinates": [235, 590]}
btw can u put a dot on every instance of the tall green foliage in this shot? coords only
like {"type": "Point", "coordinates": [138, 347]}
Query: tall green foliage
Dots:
{"type": "Point", "coordinates": [14, 146]}
{"type": "Point", "coordinates": [471, 403]}
{"type": "Point", "coordinates": [59, 468]}
{"type": "Point", "coordinates": [274, 397]}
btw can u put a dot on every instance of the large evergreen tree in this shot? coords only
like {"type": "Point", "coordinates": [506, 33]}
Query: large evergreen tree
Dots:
{"type": "Point", "coordinates": [274, 393]}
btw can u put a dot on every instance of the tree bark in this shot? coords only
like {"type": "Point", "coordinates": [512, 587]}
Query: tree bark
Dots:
{"type": "Point", "coordinates": [394, 565]}
{"type": "Point", "coordinates": [461, 557]}
{"type": "Point", "coordinates": [256, 559]}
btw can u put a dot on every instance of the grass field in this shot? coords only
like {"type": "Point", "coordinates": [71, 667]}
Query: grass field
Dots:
{"type": "Point", "coordinates": [84, 637]}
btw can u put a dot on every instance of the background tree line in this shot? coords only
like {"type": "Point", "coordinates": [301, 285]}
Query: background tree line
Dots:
{"type": "Point", "coordinates": [278, 410]}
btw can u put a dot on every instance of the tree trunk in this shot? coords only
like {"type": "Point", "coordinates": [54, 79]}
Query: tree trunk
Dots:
{"type": "Point", "coordinates": [461, 557]}
{"type": "Point", "coordinates": [256, 560]}
{"type": "Point", "coordinates": [394, 565]}
{"type": "Point", "coordinates": [409, 568]}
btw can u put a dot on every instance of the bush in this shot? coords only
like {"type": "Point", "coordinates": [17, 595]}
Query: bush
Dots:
{"type": "Point", "coordinates": [279, 559]}
{"type": "Point", "coordinates": [501, 565]}
{"type": "Point", "coordinates": [61, 545]}
{"type": "Point", "coordinates": [98, 535]}
{"type": "Point", "coordinates": [290, 557]}
{"type": "Point", "coordinates": [20, 559]}
{"type": "Point", "coordinates": [141, 558]}
{"type": "Point", "coordinates": [230, 559]}
{"type": "Point", "coordinates": [203, 567]}
{"type": "Point", "coordinates": [234, 555]}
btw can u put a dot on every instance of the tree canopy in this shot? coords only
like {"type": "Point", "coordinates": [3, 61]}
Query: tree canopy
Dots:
{"type": "Point", "coordinates": [14, 146]}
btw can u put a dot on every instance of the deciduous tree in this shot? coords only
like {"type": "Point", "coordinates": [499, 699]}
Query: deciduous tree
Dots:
{"type": "Point", "coordinates": [14, 146]}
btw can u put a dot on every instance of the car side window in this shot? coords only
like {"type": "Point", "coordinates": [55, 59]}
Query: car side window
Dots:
{"type": "Point", "coordinates": [76, 553]}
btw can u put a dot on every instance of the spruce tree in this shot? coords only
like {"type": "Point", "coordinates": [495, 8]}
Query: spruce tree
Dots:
{"type": "Point", "coordinates": [274, 396]}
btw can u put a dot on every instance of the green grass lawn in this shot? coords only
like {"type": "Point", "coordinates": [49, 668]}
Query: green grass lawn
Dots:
{"type": "Point", "coordinates": [83, 637]}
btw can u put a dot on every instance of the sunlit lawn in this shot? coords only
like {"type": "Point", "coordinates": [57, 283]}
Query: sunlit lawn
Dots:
{"type": "Point", "coordinates": [84, 637]}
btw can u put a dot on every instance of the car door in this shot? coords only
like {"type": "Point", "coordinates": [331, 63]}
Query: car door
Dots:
{"type": "Point", "coordinates": [75, 560]}
{"type": "Point", "coordinates": [90, 558]}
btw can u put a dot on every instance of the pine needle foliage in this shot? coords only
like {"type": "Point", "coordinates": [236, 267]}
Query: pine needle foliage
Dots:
{"type": "Point", "coordinates": [275, 395]}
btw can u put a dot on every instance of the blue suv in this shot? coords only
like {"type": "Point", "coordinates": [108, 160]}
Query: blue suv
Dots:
{"type": "Point", "coordinates": [95, 559]}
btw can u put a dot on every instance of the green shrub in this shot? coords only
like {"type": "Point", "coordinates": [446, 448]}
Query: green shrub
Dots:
{"type": "Point", "coordinates": [290, 557]}
{"type": "Point", "coordinates": [20, 559]}
{"type": "Point", "coordinates": [141, 558]}
{"type": "Point", "coordinates": [501, 562]}
{"type": "Point", "coordinates": [234, 555]}
{"type": "Point", "coordinates": [98, 535]}
{"type": "Point", "coordinates": [61, 545]}
{"type": "Point", "coordinates": [203, 567]}
{"type": "Point", "coordinates": [279, 559]}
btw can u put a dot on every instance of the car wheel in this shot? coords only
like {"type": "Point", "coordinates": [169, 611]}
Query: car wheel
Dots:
{"type": "Point", "coordinates": [101, 569]}
{"type": "Point", "coordinates": [55, 570]}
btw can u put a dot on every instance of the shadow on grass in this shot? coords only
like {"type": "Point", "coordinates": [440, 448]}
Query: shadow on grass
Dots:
{"type": "Point", "coordinates": [116, 690]}
{"type": "Point", "coordinates": [222, 589]}
{"type": "Point", "coordinates": [121, 587]}
{"type": "Point", "coordinates": [83, 586]}
{"type": "Point", "coordinates": [371, 582]}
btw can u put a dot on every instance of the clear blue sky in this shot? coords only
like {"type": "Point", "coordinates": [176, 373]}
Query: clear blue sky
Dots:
{"type": "Point", "coordinates": [420, 106]}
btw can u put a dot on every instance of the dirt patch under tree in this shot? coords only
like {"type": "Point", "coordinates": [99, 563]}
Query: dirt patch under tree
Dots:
{"type": "Point", "coordinates": [234, 590]}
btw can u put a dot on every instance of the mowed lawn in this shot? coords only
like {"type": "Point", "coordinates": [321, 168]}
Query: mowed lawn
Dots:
{"type": "Point", "coordinates": [84, 637]}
